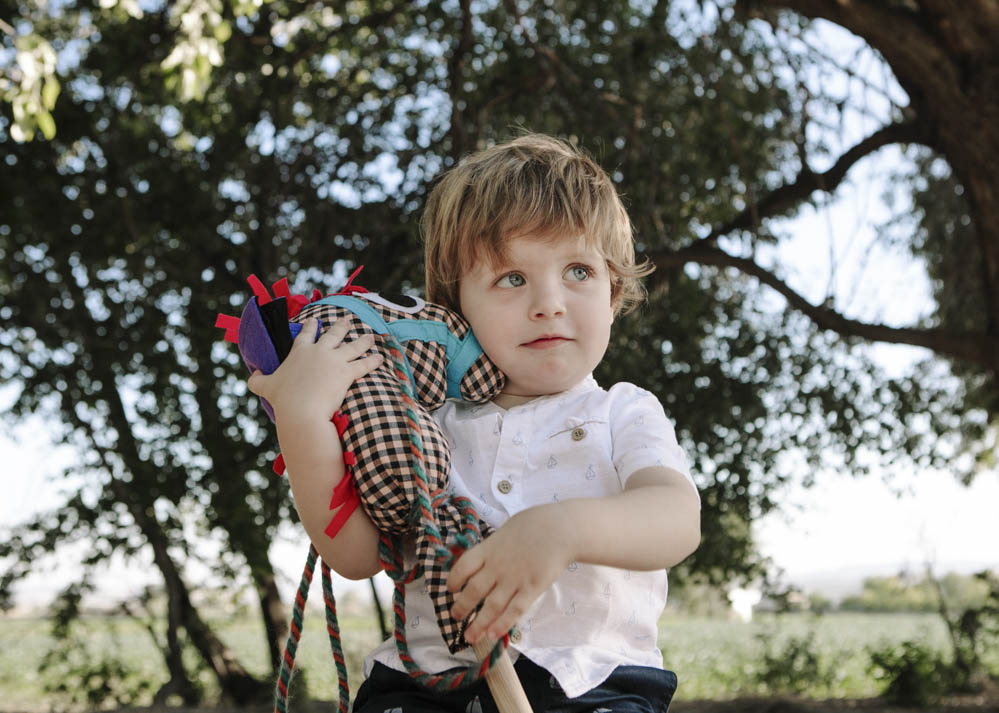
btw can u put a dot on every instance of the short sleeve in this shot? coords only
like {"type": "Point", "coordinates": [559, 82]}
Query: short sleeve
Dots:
{"type": "Point", "coordinates": [642, 436]}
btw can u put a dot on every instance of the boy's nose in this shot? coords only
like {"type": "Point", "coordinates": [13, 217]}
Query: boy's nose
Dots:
{"type": "Point", "coordinates": [548, 303]}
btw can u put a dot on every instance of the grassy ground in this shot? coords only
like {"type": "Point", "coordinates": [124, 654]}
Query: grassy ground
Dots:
{"type": "Point", "coordinates": [714, 659]}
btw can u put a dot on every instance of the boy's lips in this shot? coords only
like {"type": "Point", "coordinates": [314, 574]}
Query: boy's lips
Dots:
{"type": "Point", "coordinates": [546, 341]}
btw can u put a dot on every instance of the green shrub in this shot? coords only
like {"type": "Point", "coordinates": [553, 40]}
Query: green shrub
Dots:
{"type": "Point", "coordinates": [912, 673]}
{"type": "Point", "coordinates": [795, 666]}
{"type": "Point", "coordinates": [78, 674]}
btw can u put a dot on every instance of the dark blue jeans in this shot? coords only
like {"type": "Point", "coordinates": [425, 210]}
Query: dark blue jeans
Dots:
{"type": "Point", "coordinates": [629, 689]}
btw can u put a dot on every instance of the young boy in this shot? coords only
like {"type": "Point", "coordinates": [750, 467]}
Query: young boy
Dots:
{"type": "Point", "coordinates": [588, 489]}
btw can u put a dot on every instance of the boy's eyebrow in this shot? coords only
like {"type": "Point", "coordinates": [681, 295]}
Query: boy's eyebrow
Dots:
{"type": "Point", "coordinates": [585, 255]}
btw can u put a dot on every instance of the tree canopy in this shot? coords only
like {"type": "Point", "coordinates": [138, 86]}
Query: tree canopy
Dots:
{"type": "Point", "coordinates": [154, 154]}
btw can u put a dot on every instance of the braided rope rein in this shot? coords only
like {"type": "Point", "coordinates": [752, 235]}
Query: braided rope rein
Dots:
{"type": "Point", "coordinates": [295, 634]}
{"type": "Point", "coordinates": [390, 557]}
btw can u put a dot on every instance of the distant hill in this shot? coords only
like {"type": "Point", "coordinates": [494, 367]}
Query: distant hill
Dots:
{"type": "Point", "coordinates": [837, 583]}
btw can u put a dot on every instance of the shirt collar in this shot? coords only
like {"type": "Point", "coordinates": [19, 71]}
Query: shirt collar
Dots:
{"type": "Point", "coordinates": [587, 384]}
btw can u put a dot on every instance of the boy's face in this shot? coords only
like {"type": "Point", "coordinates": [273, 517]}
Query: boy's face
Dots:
{"type": "Point", "coordinates": [543, 316]}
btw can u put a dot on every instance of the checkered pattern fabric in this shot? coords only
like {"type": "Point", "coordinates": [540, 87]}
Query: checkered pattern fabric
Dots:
{"type": "Point", "coordinates": [378, 435]}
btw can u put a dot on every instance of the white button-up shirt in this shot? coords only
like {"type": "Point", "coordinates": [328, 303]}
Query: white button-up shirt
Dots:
{"type": "Point", "coordinates": [584, 442]}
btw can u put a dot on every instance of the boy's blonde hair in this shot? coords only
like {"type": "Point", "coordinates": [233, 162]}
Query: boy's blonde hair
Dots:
{"type": "Point", "coordinates": [535, 185]}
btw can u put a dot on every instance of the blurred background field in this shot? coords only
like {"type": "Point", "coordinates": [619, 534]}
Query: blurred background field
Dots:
{"type": "Point", "coordinates": [715, 658]}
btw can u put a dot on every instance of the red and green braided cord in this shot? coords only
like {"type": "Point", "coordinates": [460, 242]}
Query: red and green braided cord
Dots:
{"type": "Point", "coordinates": [295, 634]}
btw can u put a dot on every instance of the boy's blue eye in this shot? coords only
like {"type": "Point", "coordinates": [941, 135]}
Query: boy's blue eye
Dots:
{"type": "Point", "coordinates": [578, 273]}
{"type": "Point", "coordinates": [514, 279]}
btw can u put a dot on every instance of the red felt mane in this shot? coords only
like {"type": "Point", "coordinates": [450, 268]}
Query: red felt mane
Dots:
{"type": "Point", "coordinates": [295, 303]}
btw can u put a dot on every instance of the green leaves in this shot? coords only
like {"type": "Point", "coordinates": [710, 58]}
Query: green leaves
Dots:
{"type": "Point", "coordinates": [31, 87]}
{"type": "Point", "coordinates": [201, 34]}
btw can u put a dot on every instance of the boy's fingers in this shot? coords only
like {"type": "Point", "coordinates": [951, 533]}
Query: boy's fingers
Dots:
{"type": "Point", "coordinates": [255, 382]}
{"type": "Point", "coordinates": [475, 590]}
{"type": "Point", "coordinates": [308, 327]}
{"type": "Point", "coordinates": [514, 610]}
{"type": "Point", "coordinates": [352, 350]}
{"type": "Point", "coordinates": [363, 367]}
{"type": "Point", "coordinates": [489, 619]}
{"type": "Point", "coordinates": [462, 569]}
{"type": "Point", "coordinates": [333, 337]}
{"type": "Point", "coordinates": [468, 599]}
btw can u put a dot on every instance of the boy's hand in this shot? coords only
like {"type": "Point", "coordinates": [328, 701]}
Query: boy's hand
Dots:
{"type": "Point", "coordinates": [509, 570]}
{"type": "Point", "coordinates": [313, 379]}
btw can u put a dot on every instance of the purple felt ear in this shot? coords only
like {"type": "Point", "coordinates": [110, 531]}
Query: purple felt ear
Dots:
{"type": "Point", "coordinates": [255, 345]}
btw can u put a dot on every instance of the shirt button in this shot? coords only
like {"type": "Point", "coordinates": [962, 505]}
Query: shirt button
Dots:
{"type": "Point", "coordinates": [578, 434]}
{"type": "Point", "coordinates": [504, 486]}
{"type": "Point", "coordinates": [516, 636]}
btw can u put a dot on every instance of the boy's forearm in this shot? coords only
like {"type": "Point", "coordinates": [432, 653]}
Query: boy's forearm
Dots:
{"type": "Point", "coordinates": [650, 526]}
{"type": "Point", "coordinates": [314, 463]}
{"type": "Point", "coordinates": [653, 524]}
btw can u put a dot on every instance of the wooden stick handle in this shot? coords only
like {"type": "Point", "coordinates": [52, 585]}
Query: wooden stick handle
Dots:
{"type": "Point", "coordinates": [503, 682]}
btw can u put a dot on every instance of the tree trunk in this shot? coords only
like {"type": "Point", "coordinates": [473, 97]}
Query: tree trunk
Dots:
{"type": "Point", "coordinates": [273, 612]}
{"type": "Point", "coordinates": [236, 683]}
{"type": "Point", "coordinates": [945, 56]}
{"type": "Point", "coordinates": [228, 504]}
{"type": "Point", "coordinates": [179, 683]}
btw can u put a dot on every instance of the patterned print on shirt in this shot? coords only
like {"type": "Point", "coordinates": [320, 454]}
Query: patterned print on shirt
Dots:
{"type": "Point", "coordinates": [484, 508]}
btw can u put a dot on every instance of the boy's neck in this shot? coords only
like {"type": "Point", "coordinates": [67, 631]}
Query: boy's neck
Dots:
{"type": "Point", "coordinates": [506, 401]}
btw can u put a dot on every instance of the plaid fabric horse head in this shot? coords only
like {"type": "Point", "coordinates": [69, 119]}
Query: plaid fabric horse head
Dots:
{"type": "Point", "coordinates": [444, 360]}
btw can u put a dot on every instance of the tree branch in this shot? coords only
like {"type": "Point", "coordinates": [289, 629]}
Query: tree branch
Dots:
{"type": "Point", "coordinates": [903, 37]}
{"type": "Point", "coordinates": [455, 69]}
{"type": "Point", "coordinates": [980, 349]}
{"type": "Point", "coordinates": [791, 195]}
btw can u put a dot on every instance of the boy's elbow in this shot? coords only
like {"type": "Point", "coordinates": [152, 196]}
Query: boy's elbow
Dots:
{"type": "Point", "coordinates": [350, 566]}
{"type": "Point", "coordinates": [688, 537]}
{"type": "Point", "coordinates": [356, 571]}
{"type": "Point", "coordinates": [353, 552]}
{"type": "Point", "coordinates": [693, 540]}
